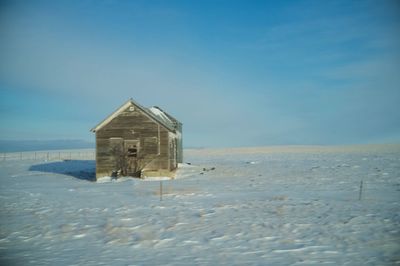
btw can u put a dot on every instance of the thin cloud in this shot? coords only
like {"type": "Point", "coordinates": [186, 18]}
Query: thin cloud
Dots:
{"type": "Point", "coordinates": [304, 75]}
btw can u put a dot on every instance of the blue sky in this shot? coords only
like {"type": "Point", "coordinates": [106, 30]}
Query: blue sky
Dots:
{"type": "Point", "coordinates": [236, 73]}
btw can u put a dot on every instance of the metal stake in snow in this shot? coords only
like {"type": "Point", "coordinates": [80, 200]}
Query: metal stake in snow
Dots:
{"type": "Point", "coordinates": [361, 189]}
{"type": "Point", "coordinates": [160, 190]}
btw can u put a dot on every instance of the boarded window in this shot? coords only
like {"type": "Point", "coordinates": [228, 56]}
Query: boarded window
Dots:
{"type": "Point", "coordinates": [132, 152]}
{"type": "Point", "coordinates": [116, 149]}
{"type": "Point", "coordinates": [132, 148]}
{"type": "Point", "coordinates": [116, 145]}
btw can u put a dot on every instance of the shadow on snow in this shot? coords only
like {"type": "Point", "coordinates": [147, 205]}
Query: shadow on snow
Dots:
{"type": "Point", "coordinates": [81, 169]}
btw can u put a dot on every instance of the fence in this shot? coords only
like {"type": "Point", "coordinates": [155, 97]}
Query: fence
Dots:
{"type": "Point", "coordinates": [50, 155]}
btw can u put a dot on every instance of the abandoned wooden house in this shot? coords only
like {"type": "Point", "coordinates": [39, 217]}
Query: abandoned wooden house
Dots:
{"type": "Point", "coordinates": [138, 141]}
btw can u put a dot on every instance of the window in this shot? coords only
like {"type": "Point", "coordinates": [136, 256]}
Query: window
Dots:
{"type": "Point", "coordinates": [132, 152]}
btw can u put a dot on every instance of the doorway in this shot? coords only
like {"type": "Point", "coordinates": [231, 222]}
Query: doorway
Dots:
{"type": "Point", "coordinates": [132, 158]}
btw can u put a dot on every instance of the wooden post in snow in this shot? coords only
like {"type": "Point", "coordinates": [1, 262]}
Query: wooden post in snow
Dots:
{"type": "Point", "coordinates": [161, 191]}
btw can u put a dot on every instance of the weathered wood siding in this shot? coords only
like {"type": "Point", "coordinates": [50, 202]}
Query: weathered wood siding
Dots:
{"type": "Point", "coordinates": [133, 124]}
{"type": "Point", "coordinates": [179, 144]}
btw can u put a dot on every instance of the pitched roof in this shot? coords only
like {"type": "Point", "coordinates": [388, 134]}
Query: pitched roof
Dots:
{"type": "Point", "coordinates": [155, 113]}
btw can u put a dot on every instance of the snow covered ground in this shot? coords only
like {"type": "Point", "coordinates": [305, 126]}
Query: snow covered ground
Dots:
{"type": "Point", "coordinates": [254, 206]}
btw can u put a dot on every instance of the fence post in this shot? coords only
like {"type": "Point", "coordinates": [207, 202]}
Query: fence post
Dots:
{"type": "Point", "coordinates": [160, 190]}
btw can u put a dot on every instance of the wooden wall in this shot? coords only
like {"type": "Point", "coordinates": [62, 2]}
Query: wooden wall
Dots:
{"type": "Point", "coordinates": [134, 125]}
{"type": "Point", "coordinates": [180, 144]}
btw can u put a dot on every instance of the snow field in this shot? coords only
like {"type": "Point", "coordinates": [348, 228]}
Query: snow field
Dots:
{"type": "Point", "coordinates": [257, 208]}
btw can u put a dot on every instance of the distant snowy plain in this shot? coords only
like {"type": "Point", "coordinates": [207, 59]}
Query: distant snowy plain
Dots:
{"type": "Point", "coordinates": [259, 206]}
